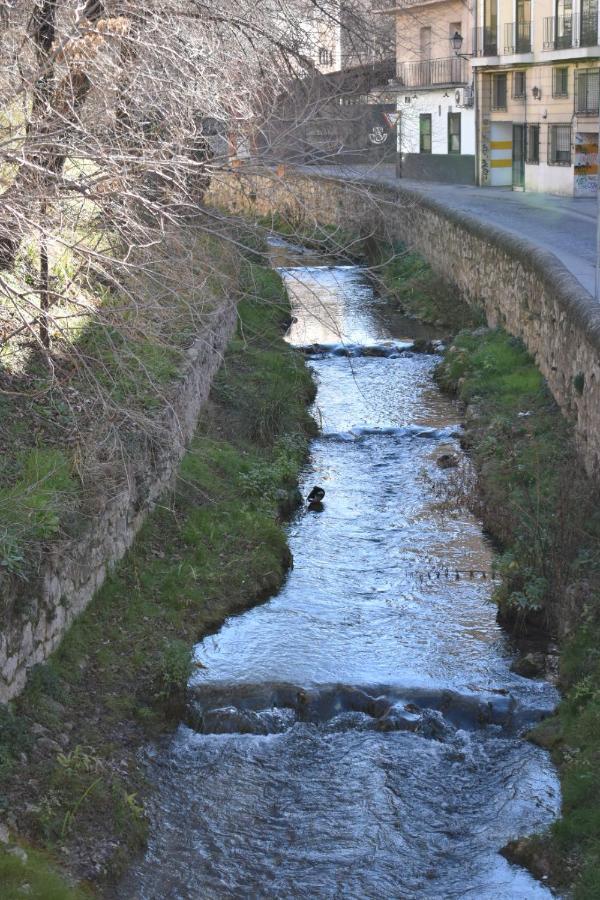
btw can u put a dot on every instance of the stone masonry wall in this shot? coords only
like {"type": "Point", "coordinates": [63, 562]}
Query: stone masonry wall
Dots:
{"type": "Point", "coordinates": [36, 614]}
{"type": "Point", "coordinates": [522, 288]}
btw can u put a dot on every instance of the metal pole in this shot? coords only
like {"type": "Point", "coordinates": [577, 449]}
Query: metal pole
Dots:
{"type": "Point", "coordinates": [399, 147]}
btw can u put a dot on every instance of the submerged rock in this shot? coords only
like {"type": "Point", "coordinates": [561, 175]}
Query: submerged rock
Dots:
{"type": "Point", "coordinates": [447, 461]}
{"type": "Point", "coordinates": [530, 665]}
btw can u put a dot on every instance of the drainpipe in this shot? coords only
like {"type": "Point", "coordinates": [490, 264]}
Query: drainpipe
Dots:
{"type": "Point", "coordinates": [597, 282]}
{"type": "Point", "coordinates": [474, 72]}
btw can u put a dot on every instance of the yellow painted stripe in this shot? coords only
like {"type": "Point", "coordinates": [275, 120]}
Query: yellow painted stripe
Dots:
{"type": "Point", "coordinates": [501, 145]}
{"type": "Point", "coordinates": [586, 148]}
{"type": "Point", "coordinates": [501, 163]}
{"type": "Point", "coordinates": [586, 170]}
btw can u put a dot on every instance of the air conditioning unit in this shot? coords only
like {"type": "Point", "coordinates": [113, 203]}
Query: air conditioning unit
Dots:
{"type": "Point", "coordinates": [465, 97]}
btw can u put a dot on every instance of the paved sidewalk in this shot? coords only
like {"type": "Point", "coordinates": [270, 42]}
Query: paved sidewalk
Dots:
{"type": "Point", "coordinates": [565, 226]}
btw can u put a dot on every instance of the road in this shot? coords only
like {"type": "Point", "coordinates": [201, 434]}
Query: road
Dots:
{"type": "Point", "coordinates": [564, 226]}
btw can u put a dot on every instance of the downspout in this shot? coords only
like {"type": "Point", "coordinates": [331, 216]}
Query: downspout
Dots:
{"type": "Point", "coordinates": [477, 172]}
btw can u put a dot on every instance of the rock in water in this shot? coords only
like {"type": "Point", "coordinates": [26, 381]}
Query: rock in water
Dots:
{"type": "Point", "coordinates": [447, 461]}
{"type": "Point", "coordinates": [530, 665]}
{"type": "Point", "coordinates": [316, 495]}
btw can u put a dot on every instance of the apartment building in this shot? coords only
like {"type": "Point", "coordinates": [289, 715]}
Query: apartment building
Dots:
{"type": "Point", "coordinates": [346, 34]}
{"type": "Point", "coordinates": [536, 66]}
{"type": "Point", "coordinates": [434, 89]}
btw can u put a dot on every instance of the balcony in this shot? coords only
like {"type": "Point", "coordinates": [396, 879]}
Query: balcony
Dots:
{"type": "Point", "coordinates": [485, 42]}
{"type": "Point", "coordinates": [433, 72]}
{"type": "Point", "coordinates": [573, 30]}
{"type": "Point", "coordinates": [517, 37]}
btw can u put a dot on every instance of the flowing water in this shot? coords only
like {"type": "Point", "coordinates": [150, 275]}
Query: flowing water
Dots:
{"type": "Point", "coordinates": [358, 735]}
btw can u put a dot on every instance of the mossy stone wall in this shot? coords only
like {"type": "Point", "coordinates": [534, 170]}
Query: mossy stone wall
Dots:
{"type": "Point", "coordinates": [37, 613]}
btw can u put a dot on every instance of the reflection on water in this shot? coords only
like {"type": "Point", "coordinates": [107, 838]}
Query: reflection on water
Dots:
{"type": "Point", "coordinates": [358, 735]}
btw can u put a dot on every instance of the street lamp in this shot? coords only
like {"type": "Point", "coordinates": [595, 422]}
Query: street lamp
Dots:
{"type": "Point", "coordinates": [457, 41]}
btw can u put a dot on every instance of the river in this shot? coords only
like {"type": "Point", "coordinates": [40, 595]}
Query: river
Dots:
{"type": "Point", "coordinates": [358, 736]}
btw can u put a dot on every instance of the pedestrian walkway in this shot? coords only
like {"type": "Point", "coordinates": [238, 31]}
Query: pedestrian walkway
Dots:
{"type": "Point", "coordinates": [564, 226]}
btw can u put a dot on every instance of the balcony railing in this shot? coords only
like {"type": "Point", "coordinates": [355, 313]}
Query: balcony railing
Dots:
{"type": "Point", "coordinates": [485, 42]}
{"type": "Point", "coordinates": [432, 72]}
{"type": "Point", "coordinates": [573, 30]}
{"type": "Point", "coordinates": [517, 37]}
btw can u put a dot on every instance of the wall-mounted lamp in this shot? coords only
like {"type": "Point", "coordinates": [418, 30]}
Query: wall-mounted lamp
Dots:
{"type": "Point", "coordinates": [456, 42]}
{"type": "Point", "coordinates": [537, 93]}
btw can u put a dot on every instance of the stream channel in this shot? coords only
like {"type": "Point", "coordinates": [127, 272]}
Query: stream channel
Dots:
{"type": "Point", "coordinates": [358, 736]}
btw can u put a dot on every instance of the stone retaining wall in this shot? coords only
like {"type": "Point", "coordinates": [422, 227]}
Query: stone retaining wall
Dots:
{"type": "Point", "coordinates": [36, 614]}
{"type": "Point", "coordinates": [522, 288]}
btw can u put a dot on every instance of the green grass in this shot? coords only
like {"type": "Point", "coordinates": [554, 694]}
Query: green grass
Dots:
{"type": "Point", "coordinates": [32, 506]}
{"type": "Point", "coordinates": [33, 877]}
{"type": "Point", "coordinates": [214, 545]}
{"type": "Point", "coordinates": [537, 501]}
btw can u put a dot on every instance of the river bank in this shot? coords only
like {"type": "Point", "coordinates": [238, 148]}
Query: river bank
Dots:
{"type": "Point", "coordinates": [536, 500]}
{"type": "Point", "coordinates": [71, 779]}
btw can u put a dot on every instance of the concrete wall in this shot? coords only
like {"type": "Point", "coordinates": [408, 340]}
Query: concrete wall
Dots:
{"type": "Point", "coordinates": [36, 614]}
{"type": "Point", "coordinates": [522, 288]}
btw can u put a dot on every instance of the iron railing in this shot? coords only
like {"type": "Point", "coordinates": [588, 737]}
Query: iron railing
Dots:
{"type": "Point", "coordinates": [517, 37]}
{"type": "Point", "coordinates": [572, 30]}
{"type": "Point", "coordinates": [485, 42]}
{"type": "Point", "coordinates": [429, 72]}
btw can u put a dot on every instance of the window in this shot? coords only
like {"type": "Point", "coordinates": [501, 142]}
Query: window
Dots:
{"type": "Point", "coordinates": [325, 56]}
{"type": "Point", "coordinates": [425, 133]}
{"type": "Point", "coordinates": [559, 145]}
{"type": "Point", "coordinates": [453, 132]}
{"type": "Point", "coordinates": [425, 42]}
{"type": "Point", "coordinates": [518, 84]}
{"type": "Point", "coordinates": [533, 144]}
{"type": "Point", "coordinates": [499, 90]}
{"type": "Point", "coordinates": [560, 82]}
{"type": "Point", "coordinates": [587, 91]}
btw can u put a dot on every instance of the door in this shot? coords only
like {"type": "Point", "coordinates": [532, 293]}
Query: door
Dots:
{"type": "Point", "coordinates": [501, 154]}
{"type": "Point", "coordinates": [518, 157]}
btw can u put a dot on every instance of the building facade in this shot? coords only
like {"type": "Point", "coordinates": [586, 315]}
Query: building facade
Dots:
{"type": "Point", "coordinates": [537, 81]}
{"type": "Point", "coordinates": [345, 34]}
{"type": "Point", "coordinates": [434, 90]}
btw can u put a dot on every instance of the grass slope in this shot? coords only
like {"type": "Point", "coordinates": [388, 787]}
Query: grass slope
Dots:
{"type": "Point", "coordinates": [214, 546]}
{"type": "Point", "coordinates": [537, 501]}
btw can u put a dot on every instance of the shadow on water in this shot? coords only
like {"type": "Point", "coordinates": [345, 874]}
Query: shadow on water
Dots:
{"type": "Point", "coordinates": [358, 736]}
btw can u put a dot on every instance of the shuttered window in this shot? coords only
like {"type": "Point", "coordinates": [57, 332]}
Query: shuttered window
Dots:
{"type": "Point", "coordinates": [499, 90]}
{"type": "Point", "coordinates": [533, 144]}
{"type": "Point", "coordinates": [559, 145]}
{"type": "Point", "coordinates": [453, 132]}
{"type": "Point", "coordinates": [425, 133]}
{"type": "Point", "coordinates": [587, 91]}
{"type": "Point", "coordinates": [560, 81]}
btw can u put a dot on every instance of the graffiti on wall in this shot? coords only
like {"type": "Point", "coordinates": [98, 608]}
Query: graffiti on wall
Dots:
{"type": "Point", "coordinates": [485, 152]}
{"type": "Point", "coordinates": [586, 164]}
